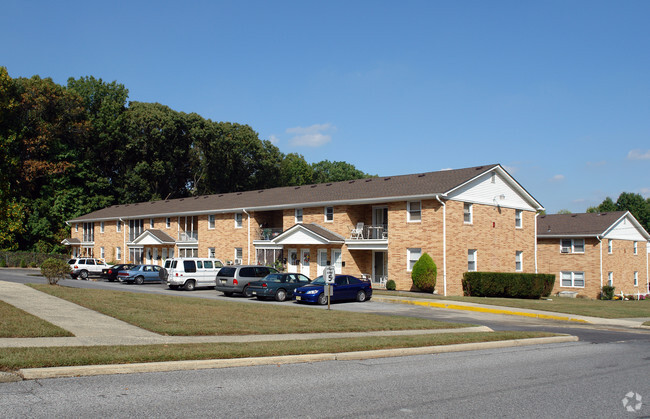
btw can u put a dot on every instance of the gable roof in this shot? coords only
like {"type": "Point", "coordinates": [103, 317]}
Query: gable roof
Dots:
{"type": "Point", "coordinates": [371, 190]}
{"type": "Point", "coordinates": [318, 233]}
{"type": "Point", "coordinates": [583, 224]}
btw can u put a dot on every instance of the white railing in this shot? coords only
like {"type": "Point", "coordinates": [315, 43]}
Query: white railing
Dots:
{"type": "Point", "coordinates": [188, 236]}
{"type": "Point", "coordinates": [372, 232]}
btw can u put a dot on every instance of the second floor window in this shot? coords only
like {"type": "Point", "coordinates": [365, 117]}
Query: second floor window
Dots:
{"type": "Point", "coordinates": [572, 246]}
{"type": "Point", "coordinates": [298, 215]}
{"type": "Point", "coordinates": [329, 214]}
{"type": "Point", "coordinates": [135, 229]}
{"type": "Point", "coordinates": [610, 246]}
{"type": "Point", "coordinates": [467, 213]}
{"type": "Point", "coordinates": [89, 232]}
{"type": "Point", "coordinates": [518, 215]}
{"type": "Point", "coordinates": [101, 229]}
{"type": "Point", "coordinates": [636, 248]}
{"type": "Point", "coordinates": [118, 226]}
{"type": "Point", "coordinates": [168, 222]}
{"type": "Point", "coordinates": [238, 220]}
{"type": "Point", "coordinates": [211, 222]}
{"type": "Point", "coordinates": [414, 209]}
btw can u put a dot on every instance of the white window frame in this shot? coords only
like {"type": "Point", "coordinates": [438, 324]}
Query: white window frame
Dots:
{"type": "Point", "coordinates": [472, 257]}
{"type": "Point", "coordinates": [239, 220]}
{"type": "Point", "coordinates": [572, 247]}
{"type": "Point", "coordinates": [410, 257]}
{"type": "Point", "coordinates": [239, 255]}
{"type": "Point", "coordinates": [610, 278]}
{"type": "Point", "coordinates": [572, 279]}
{"type": "Point", "coordinates": [211, 221]}
{"type": "Point", "coordinates": [151, 223]}
{"type": "Point", "coordinates": [168, 222]}
{"type": "Point", "coordinates": [101, 227]}
{"type": "Point", "coordinates": [636, 247]}
{"type": "Point", "coordinates": [519, 218]}
{"type": "Point", "coordinates": [118, 225]}
{"type": "Point", "coordinates": [328, 214]}
{"type": "Point", "coordinates": [212, 252]}
{"type": "Point", "coordinates": [636, 279]}
{"type": "Point", "coordinates": [519, 261]}
{"type": "Point", "coordinates": [102, 254]}
{"type": "Point", "coordinates": [468, 210]}
{"type": "Point", "coordinates": [76, 228]}
{"type": "Point", "coordinates": [298, 215]}
{"type": "Point", "coordinates": [118, 253]}
{"type": "Point", "coordinates": [610, 246]}
{"type": "Point", "coordinates": [414, 215]}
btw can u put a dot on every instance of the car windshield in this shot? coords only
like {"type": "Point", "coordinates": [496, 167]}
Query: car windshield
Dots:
{"type": "Point", "coordinates": [274, 278]}
{"type": "Point", "coordinates": [318, 281]}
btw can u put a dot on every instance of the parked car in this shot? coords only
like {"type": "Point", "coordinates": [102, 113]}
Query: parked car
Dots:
{"type": "Point", "coordinates": [278, 286]}
{"type": "Point", "coordinates": [110, 274]}
{"type": "Point", "coordinates": [140, 274]}
{"type": "Point", "coordinates": [190, 273]}
{"type": "Point", "coordinates": [346, 287]}
{"type": "Point", "coordinates": [85, 267]}
{"type": "Point", "coordinates": [235, 279]}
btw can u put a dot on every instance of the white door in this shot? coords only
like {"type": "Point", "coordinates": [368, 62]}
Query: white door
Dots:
{"type": "Point", "coordinates": [164, 255]}
{"type": "Point", "coordinates": [155, 255]}
{"type": "Point", "coordinates": [322, 261]}
{"type": "Point", "coordinates": [292, 262]}
{"type": "Point", "coordinates": [305, 259]}
{"type": "Point", "coordinates": [336, 261]}
{"type": "Point", "coordinates": [379, 219]}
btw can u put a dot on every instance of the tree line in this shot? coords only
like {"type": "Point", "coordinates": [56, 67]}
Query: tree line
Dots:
{"type": "Point", "coordinates": [69, 150]}
{"type": "Point", "coordinates": [627, 201]}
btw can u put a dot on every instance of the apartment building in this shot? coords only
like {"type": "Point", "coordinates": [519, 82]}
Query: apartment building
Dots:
{"type": "Point", "coordinates": [477, 218]}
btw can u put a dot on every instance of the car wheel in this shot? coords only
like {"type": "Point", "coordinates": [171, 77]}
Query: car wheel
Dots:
{"type": "Point", "coordinates": [280, 295]}
{"type": "Point", "coordinates": [322, 299]}
{"type": "Point", "coordinates": [227, 293]}
{"type": "Point", "coordinates": [361, 296]}
{"type": "Point", "coordinates": [247, 292]}
{"type": "Point", "coordinates": [139, 280]}
{"type": "Point", "coordinates": [173, 287]}
{"type": "Point", "coordinates": [73, 276]}
{"type": "Point", "coordinates": [189, 285]}
{"type": "Point", "coordinates": [83, 275]}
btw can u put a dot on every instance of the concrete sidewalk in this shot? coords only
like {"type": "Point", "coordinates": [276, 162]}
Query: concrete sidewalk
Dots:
{"type": "Point", "coordinates": [485, 308]}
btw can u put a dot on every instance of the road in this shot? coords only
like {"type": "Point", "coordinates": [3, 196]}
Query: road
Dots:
{"type": "Point", "coordinates": [590, 378]}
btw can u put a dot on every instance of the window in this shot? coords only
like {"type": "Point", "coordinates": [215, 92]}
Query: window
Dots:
{"type": "Point", "coordinates": [518, 221]}
{"type": "Point", "coordinates": [135, 254]}
{"type": "Point", "coordinates": [636, 279]}
{"type": "Point", "coordinates": [101, 230]}
{"type": "Point", "coordinates": [135, 229]}
{"type": "Point", "coordinates": [239, 255]}
{"type": "Point", "coordinates": [101, 253]}
{"type": "Point", "coordinates": [89, 232]}
{"type": "Point", "coordinates": [189, 266]}
{"type": "Point", "coordinates": [610, 279]}
{"type": "Point", "coordinates": [636, 248]}
{"type": "Point", "coordinates": [329, 214]}
{"type": "Point", "coordinates": [186, 252]}
{"type": "Point", "coordinates": [467, 213]}
{"type": "Point", "coordinates": [211, 222]}
{"type": "Point", "coordinates": [573, 279]}
{"type": "Point", "coordinates": [168, 222]}
{"type": "Point", "coordinates": [471, 260]}
{"type": "Point", "coordinates": [412, 256]}
{"type": "Point", "coordinates": [610, 246]}
{"type": "Point", "coordinates": [118, 226]}
{"type": "Point", "coordinates": [211, 252]}
{"type": "Point", "coordinates": [118, 253]}
{"type": "Point", "coordinates": [298, 215]}
{"type": "Point", "coordinates": [519, 260]}
{"type": "Point", "coordinates": [414, 211]}
{"type": "Point", "coordinates": [572, 246]}
{"type": "Point", "coordinates": [238, 219]}
{"type": "Point", "coordinates": [151, 223]}
{"type": "Point", "coordinates": [76, 228]}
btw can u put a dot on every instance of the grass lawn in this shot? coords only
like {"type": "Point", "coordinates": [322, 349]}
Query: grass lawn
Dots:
{"type": "Point", "coordinates": [16, 323]}
{"type": "Point", "coordinates": [12, 359]}
{"type": "Point", "coordinates": [187, 316]}
{"type": "Point", "coordinates": [584, 307]}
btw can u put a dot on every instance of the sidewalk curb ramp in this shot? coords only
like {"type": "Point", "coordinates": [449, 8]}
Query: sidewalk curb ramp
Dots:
{"type": "Point", "coordinates": [91, 370]}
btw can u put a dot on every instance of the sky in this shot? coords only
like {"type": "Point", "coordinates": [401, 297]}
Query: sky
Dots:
{"type": "Point", "coordinates": [557, 92]}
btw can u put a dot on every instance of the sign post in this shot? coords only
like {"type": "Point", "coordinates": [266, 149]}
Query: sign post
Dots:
{"type": "Point", "coordinates": [329, 274]}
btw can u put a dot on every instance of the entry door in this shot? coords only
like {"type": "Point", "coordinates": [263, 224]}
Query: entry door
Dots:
{"type": "Point", "coordinates": [322, 261]}
{"type": "Point", "coordinates": [336, 261]}
{"type": "Point", "coordinates": [305, 258]}
{"type": "Point", "coordinates": [155, 255]}
{"type": "Point", "coordinates": [379, 219]}
{"type": "Point", "coordinates": [292, 262]}
{"type": "Point", "coordinates": [164, 255]}
{"type": "Point", "coordinates": [379, 268]}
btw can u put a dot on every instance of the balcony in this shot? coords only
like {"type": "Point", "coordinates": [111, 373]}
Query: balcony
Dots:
{"type": "Point", "coordinates": [188, 236]}
{"type": "Point", "coordinates": [269, 233]}
{"type": "Point", "coordinates": [368, 237]}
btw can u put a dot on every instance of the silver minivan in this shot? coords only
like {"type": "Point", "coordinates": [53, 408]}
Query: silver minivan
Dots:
{"type": "Point", "coordinates": [189, 273]}
{"type": "Point", "coordinates": [235, 279]}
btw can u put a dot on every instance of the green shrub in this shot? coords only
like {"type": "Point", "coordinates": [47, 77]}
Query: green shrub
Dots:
{"type": "Point", "coordinates": [54, 269]}
{"type": "Point", "coordinates": [424, 273]}
{"type": "Point", "coordinates": [607, 293]}
{"type": "Point", "coordinates": [390, 285]}
{"type": "Point", "coordinates": [23, 264]}
{"type": "Point", "coordinates": [3, 263]}
{"type": "Point", "coordinates": [508, 285]}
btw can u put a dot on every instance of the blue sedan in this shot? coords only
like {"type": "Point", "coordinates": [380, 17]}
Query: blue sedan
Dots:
{"type": "Point", "coordinates": [345, 287]}
{"type": "Point", "coordinates": [141, 274]}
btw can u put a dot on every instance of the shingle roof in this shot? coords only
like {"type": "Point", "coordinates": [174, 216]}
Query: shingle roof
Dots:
{"type": "Point", "coordinates": [430, 183]}
{"type": "Point", "coordinates": [587, 224]}
{"type": "Point", "coordinates": [162, 236]}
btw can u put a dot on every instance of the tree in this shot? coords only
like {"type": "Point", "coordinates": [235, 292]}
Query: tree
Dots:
{"type": "Point", "coordinates": [296, 171]}
{"type": "Point", "coordinates": [564, 211]}
{"type": "Point", "coordinates": [606, 206]}
{"type": "Point", "coordinates": [54, 269]}
{"type": "Point", "coordinates": [424, 273]}
{"type": "Point", "coordinates": [627, 201]}
{"type": "Point", "coordinates": [327, 171]}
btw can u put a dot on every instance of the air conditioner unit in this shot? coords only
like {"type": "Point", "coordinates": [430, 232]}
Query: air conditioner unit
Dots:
{"type": "Point", "coordinates": [238, 261]}
{"type": "Point", "coordinates": [564, 250]}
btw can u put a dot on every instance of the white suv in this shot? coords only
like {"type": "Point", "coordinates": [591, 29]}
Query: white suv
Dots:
{"type": "Point", "coordinates": [189, 273]}
{"type": "Point", "coordinates": [84, 267]}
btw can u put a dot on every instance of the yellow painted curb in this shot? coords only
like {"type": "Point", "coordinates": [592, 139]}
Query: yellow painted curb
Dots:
{"type": "Point", "coordinates": [484, 310]}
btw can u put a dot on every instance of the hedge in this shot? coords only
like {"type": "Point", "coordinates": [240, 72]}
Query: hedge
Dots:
{"type": "Point", "coordinates": [33, 259]}
{"type": "Point", "coordinates": [508, 285]}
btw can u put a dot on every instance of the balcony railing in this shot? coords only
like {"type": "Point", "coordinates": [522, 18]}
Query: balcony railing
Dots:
{"type": "Point", "coordinates": [188, 236]}
{"type": "Point", "coordinates": [269, 233]}
{"type": "Point", "coordinates": [372, 232]}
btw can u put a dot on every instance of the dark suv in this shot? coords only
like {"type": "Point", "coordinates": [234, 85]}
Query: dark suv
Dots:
{"type": "Point", "coordinates": [235, 279]}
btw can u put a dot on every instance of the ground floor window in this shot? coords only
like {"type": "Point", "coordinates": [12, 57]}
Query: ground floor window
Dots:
{"type": "Point", "coordinates": [573, 279]}
{"type": "Point", "coordinates": [471, 260]}
{"type": "Point", "coordinates": [519, 261]}
{"type": "Point", "coordinates": [239, 255]}
{"type": "Point", "coordinates": [136, 254]}
{"type": "Point", "coordinates": [636, 279]}
{"type": "Point", "coordinates": [413, 255]}
{"type": "Point", "coordinates": [211, 252]}
{"type": "Point", "coordinates": [118, 253]}
{"type": "Point", "coordinates": [187, 252]}
{"type": "Point", "coordinates": [269, 257]}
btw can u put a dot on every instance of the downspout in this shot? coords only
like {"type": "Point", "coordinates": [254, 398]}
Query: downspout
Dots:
{"type": "Point", "coordinates": [444, 245]}
{"type": "Point", "coordinates": [536, 215]}
{"type": "Point", "coordinates": [600, 243]}
{"type": "Point", "coordinates": [249, 235]}
{"type": "Point", "coordinates": [647, 266]}
{"type": "Point", "coordinates": [123, 239]}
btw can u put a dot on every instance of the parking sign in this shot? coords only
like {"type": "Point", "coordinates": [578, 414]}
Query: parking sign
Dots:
{"type": "Point", "coordinates": [329, 273]}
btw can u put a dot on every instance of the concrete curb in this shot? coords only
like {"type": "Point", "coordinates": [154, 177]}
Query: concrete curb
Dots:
{"type": "Point", "coordinates": [481, 309]}
{"type": "Point", "coordinates": [91, 370]}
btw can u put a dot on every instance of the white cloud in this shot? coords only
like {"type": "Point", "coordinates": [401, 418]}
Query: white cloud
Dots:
{"type": "Point", "coordinates": [557, 178]}
{"type": "Point", "coordinates": [273, 139]}
{"type": "Point", "coordinates": [316, 135]}
{"type": "Point", "coordinates": [638, 154]}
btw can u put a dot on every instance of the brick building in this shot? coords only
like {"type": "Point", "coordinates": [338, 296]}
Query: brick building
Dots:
{"type": "Point", "coordinates": [477, 218]}
{"type": "Point", "coordinates": [587, 251]}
